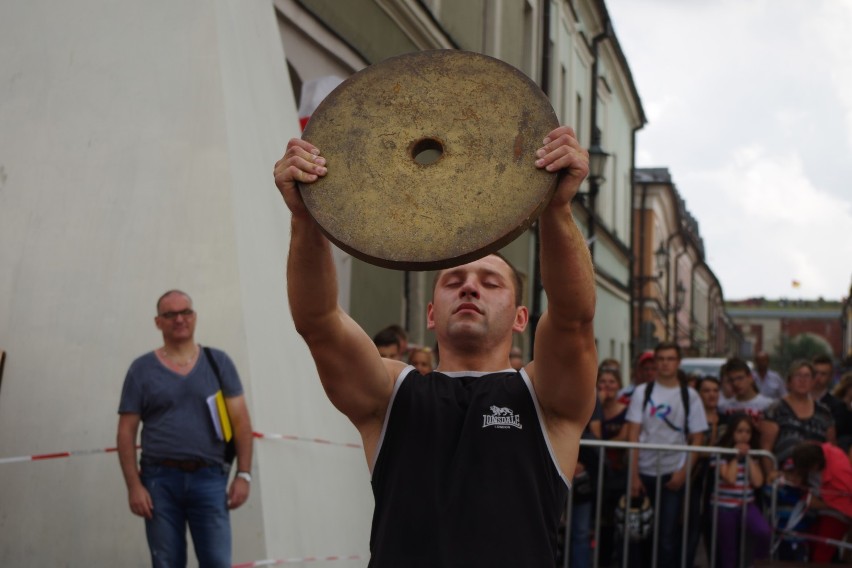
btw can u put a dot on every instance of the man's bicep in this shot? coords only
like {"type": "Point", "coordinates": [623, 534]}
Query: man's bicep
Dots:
{"type": "Point", "coordinates": [565, 369]}
{"type": "Point", "coordinates": [237, 409]}
{"type": "Point", "coordinates": [355, 378]}
{"type": "Point", "coordinates": [128, 426]}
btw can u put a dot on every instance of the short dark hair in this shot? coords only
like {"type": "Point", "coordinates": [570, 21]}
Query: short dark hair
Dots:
{"type": "Point", "coordinates": [737, 364]}
{"type": "Point", "coordinates": [169, 293]}
{"type": "Point", "coordinates": [398, 331]}
{"type": "Point", "coordinates": [822, 359]}
{"type": "Point", "coordinates": [705, 379]}
{"type": "Point", "coordinates": [386, 337]}
{"type": "Point", "coordinates": [517, 279]}
{"type": "Point", "coordinates": [807, 456]}
{"type": "Point", "coordinates": [666, 345]}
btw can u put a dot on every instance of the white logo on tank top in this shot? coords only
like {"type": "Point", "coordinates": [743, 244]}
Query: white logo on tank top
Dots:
{"type": "Point", "coordinates": [501, 417]}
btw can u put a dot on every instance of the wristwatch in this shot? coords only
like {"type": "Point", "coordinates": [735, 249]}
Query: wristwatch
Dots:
{"type": "Point", "coordinates": [244, 475]}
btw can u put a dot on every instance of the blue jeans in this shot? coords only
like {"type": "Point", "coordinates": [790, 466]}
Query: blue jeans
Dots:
{"type": "Point", "coordinates": [581, 534]}
{"type": "Point", "coordinates": [180, 498]}
{"type": "Point", "coordinates": [668, 543]}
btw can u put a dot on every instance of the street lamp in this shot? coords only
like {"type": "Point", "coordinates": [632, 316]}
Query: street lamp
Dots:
{"type": "Point", "coordinates": [597, 162]}
{"type": "Point", "coordinates": [661, 256]}
{"type": "Point", "coordinates": [597, 167]}
{"type": "Point", "coordinates": [680, 296]}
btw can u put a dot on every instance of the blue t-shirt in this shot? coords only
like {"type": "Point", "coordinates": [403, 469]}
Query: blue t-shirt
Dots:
{"type": "Point", "coordinates": [176, 420]}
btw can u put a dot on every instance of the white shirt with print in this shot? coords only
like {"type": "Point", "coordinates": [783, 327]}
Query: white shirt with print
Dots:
{"type": "Point", "coordinates": [665, 402]}
{"type": "Point", "coordinates": [754, 407]}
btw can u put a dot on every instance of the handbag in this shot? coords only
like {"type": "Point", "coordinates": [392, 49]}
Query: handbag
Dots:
{"type": "Point", "coordinates": [230, 445]}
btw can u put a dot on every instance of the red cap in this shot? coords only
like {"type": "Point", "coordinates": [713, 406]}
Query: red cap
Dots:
{"type": "Point", "coordinates": [646, 356]}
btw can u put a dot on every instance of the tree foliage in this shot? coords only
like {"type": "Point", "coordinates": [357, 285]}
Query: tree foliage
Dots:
{"type": "Point", "coordinates": [803, 346]}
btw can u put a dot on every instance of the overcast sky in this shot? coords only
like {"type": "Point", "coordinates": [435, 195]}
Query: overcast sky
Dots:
{"type": "Point", "coordinates": [749, 105]}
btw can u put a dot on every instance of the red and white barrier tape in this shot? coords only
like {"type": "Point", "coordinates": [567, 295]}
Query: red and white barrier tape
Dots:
{"type": "Point", "coordinates": [259, 435]}
{"type": "Point", "coordinates": [39, 457]}
{"type": "Point", "coordinates": [278, 562]}
{"type": "Point", "coordinates": [305, 439]}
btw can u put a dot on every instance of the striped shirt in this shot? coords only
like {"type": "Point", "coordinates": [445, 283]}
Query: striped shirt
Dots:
{"type": "Point", "coordinates": [730, 495]}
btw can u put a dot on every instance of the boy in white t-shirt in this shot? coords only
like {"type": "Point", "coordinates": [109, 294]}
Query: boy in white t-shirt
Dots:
{"type": "Point", "coordinates": [659, 417]}
{"type": "Point", "coordinates": [747, 399]}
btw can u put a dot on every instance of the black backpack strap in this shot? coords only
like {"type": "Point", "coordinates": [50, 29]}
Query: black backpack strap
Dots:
{"type": "Point", "coordinates": [684, 396]}
{"type": "Point", "coordinates": [213, 364]}
{"type": "Point", "coordinates": [648, 388]}
{"type": "Point", "coordinates": [230, 447]}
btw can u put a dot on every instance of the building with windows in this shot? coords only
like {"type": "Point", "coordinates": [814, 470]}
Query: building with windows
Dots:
{"type": "Point", "coordinates": [571, 51]}
{"type": "Point", "coordinates": [677, 297]}
{"type": "Point", "coordinates": [765, 323]}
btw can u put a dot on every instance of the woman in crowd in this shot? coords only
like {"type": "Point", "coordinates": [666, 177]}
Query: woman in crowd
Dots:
{"type": "Point", "coordinates": [794, 418]}
{"type": "Point", "coordinates": [708, 390]}
{"type": "Point", "coordinates": [614, 411]}
{"type": "Point", "coordinates": [789, 421]}
{"type": "Point", "coordinates": [613, 428]}
{"type": "Point", "coordinates": [421, 358]}
{"type": "Point", "coordinates": [702, 472]}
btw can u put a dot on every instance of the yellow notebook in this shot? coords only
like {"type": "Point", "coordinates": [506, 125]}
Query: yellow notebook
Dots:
{"type": "Point", "coordinates": [219, 415]}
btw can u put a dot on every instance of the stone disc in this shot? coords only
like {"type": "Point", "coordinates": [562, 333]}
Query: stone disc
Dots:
{"type": "Point", "coordinates": [430, 159]}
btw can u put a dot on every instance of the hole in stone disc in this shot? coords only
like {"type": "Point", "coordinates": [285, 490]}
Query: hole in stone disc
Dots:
{"type": "Point", "coordinates": [427, 151]}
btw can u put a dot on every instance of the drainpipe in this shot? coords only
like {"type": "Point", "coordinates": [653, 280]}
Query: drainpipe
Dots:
{"type": "Point", "coordinates": [640, 288]}
{"type": "Point", "coordinates": [668, 308]}
{"type": "Point", "coordinates": [692, 319]}
{"type": "Point", "coordinates": [537, 286]}
{"type": "Point", "coordinates": [636, 306]}
{"type": "Point", "coordinates": [595, 132]}
{"type": "Point", "coordinates": [677, 261]}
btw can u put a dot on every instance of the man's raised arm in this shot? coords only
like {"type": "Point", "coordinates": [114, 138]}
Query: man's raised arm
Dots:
{"type": "Point", "coordinates": [565, 357]}
{"type": "Point", "coordinates": [356, 379]}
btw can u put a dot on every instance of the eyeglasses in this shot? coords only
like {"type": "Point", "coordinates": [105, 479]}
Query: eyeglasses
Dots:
{"type": "Point", "coordinates": [188, 312]}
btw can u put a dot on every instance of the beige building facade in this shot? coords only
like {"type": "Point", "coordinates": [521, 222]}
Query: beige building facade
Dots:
{"type": "Point", "coordinates": [677, 296]}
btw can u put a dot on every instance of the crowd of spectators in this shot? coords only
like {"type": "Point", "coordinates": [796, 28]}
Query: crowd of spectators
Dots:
{"type": "Point", "coordinates": [803, 419]}
{"type": "Point", "coordinates": [747, 407]}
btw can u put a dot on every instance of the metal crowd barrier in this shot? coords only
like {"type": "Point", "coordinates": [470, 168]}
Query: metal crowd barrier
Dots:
{"type": "Point", "coordinates": [690, 451]}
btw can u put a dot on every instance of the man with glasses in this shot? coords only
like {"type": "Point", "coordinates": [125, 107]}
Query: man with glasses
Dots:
{"type": "Point", "coordinates": [664, 411]}
{"type": "Point", "coordinates": [746, 397]}
{"type": "Point", "coordinates": [183, 474]}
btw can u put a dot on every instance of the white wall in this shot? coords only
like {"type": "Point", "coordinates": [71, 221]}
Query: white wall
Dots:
{"type": "Point", "coordinates": [136, 156]}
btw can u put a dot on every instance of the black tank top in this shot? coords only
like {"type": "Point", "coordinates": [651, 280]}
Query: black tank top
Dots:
{"type": "Point", "coordinates": [465, 475]}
